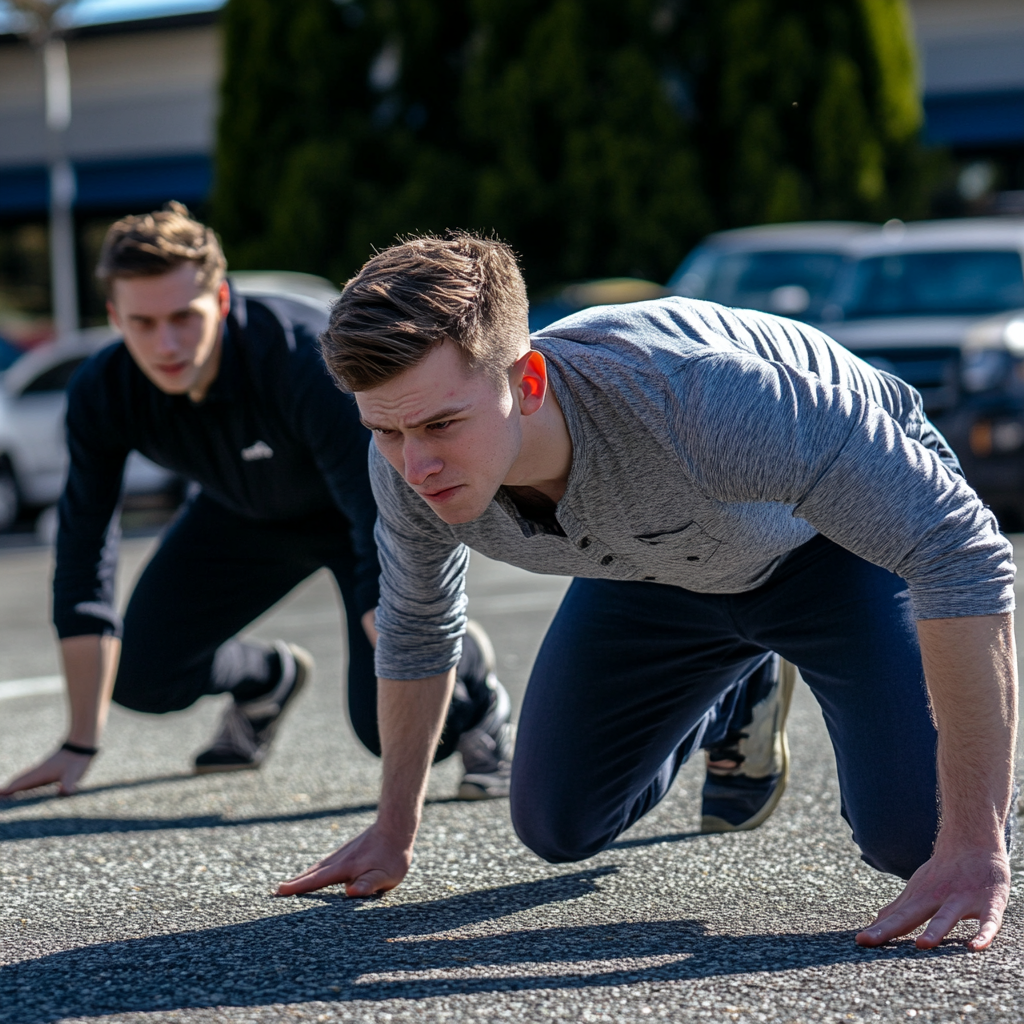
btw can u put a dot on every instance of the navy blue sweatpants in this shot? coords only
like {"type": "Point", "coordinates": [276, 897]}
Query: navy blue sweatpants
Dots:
{"type": "Point", "coordinates": [213, 574]}
{"type": "Point", "coordinates": [632, 677]}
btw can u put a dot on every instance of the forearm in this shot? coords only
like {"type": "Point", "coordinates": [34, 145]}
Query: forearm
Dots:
{"type": "Point", "coordinates": [90, 667]}
{"type": "Point", "coordinates": [970, 668]}
{"type": "Point", "coordinates": [410, 715]}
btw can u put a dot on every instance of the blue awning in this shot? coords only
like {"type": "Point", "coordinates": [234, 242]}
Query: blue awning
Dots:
{"type": "Point", "coordinates": [112, 184]}
{"type": "Point", "coordinates": [973, 119]}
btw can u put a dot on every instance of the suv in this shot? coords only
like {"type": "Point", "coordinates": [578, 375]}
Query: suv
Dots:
{"type": "Point", "coordinates": [941, 304]}
{"type": "Point", "coordinates": [789, 269]}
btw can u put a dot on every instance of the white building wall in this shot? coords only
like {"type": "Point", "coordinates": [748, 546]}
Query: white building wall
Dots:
{"type": "Point", "coordinates": [133, 95]}
{"type": "Point", "coordinates": [970, 45]}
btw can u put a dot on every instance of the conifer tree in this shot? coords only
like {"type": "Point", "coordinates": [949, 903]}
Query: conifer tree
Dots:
{"type": "Point", "coordinates": [599, 137]}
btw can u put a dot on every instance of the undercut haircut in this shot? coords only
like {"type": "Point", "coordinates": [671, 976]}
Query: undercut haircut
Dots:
{"type": "Point", "coordinates": [151, 244]}
{"type": "Point", "coordinates": [413, 296]}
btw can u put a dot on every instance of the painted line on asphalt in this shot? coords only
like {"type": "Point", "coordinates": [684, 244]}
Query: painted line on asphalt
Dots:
{"type": "Point", "coordinates": [31, 687]}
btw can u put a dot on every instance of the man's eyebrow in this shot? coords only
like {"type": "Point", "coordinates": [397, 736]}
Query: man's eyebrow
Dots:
{"type": "Point", "coordinates": [434, 417]}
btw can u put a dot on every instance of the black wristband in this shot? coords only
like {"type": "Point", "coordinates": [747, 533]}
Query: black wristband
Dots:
{"type": "Point", "coordinates": [74, 748]}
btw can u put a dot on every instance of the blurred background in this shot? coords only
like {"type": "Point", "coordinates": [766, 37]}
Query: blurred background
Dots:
{"type": "Point", "coordinates": [612, 142]}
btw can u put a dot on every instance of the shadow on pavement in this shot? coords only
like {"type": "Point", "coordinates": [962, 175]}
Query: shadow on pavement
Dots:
{"type": "Point", "coordinates": [330, 949]}
{"type": "Point", "coordinates": [50, 792]}
{"type": "Point", "coordinates": [45, 828]}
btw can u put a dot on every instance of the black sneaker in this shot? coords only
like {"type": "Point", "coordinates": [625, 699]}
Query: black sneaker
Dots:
{"type": "Point", "coordinates": [487, 748]}
{"type": "Point", "coordinates": [740, 798]}
{"type": "Point", "coordinates": [247, 728]}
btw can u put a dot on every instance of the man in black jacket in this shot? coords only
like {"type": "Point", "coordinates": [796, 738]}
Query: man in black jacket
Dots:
{"type": "Point", "coordinates": [233, 395]}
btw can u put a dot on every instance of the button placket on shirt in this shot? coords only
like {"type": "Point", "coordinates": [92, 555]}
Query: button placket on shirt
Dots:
{"type": "Point", "coordinates": [584, 541]}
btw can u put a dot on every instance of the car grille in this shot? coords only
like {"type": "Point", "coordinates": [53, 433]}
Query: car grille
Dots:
{"type": "Point", "coordinates": [935, 372]}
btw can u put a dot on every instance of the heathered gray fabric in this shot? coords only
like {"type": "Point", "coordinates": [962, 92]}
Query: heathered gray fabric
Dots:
{"type": "Point", "coordinates": [707, 443]}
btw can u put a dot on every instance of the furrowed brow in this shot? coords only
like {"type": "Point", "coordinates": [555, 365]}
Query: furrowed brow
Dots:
{"type": "Point", "coordinates": [434, 417]}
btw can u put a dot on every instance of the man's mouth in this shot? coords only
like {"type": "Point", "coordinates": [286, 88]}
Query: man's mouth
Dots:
{"type": "Point", "coordinates": [441, 495]}
{"type": "Point", "coordinates": [172, 369]}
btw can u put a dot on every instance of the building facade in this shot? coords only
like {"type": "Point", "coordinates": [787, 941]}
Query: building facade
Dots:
{"type": "Point", "coordinates": [143, 121]}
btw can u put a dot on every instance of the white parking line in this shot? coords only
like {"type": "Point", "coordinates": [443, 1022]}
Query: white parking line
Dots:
{"type": "Point", "coordinates": [31, 687]}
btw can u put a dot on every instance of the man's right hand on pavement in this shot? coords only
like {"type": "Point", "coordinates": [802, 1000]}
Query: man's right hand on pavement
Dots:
{"type": "Point", "coordinates": [64, 768]}
{"type": "Point", "coordinates": [368, 864]}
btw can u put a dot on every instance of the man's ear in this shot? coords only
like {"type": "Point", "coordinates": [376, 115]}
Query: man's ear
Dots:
{"type": "Point", "coordinates": [530, 372]}
{"type": "Point", "coordinates": [224, 299]}
{"type": "Point", "coordinates": [112, 315]}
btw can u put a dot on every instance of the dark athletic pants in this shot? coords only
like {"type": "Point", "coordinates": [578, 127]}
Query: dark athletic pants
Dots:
{"type": "Point", "coordinates": [632, 677]}
{"type": "Point", "coordinates": [214, 573]}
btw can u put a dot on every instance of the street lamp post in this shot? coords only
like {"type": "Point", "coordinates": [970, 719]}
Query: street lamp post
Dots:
{"type": "Point", "coordinates": [46, 34]}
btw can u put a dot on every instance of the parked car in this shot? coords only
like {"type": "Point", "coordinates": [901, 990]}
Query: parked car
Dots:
{"type": "Point", "coordinates": [789, 269]}
{"type": "Point", "coordinates": [33, 454]}
{"type": "Point", "coordinates": [941, 304]}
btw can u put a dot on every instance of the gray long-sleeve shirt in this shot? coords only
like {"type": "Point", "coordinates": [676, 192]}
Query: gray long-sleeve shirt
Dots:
{"type": "Point", "coordinates": [707, 443]}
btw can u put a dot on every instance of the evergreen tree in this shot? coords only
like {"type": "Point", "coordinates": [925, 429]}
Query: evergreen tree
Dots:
{"type": "Point", "coordinates": [599, 137]}
{"type": "Point", "coordinates": [808, 109]}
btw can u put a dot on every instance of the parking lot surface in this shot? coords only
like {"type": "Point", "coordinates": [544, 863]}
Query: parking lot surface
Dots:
{"type": "Point", "coordinates": [147, 896]}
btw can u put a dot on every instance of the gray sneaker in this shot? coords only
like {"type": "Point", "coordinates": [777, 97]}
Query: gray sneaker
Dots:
{"type": "Point", "coordinates": [487, 748]}
{"type": "Point", "coordinates": [247, 728]}
{"type": "Point", "coordinates": [740, 798]}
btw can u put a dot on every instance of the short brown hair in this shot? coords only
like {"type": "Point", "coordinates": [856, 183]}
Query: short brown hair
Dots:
{"type": "Point", "coordinates": [150, 244]}
{"type": "Point", "coordinates": [413, 296]}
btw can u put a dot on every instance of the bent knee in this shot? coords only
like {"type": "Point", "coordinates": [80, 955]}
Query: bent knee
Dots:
{"type": "Point", "coordinates": [151, 695]}
{"type": "Point", "coordinates": [558, 838]}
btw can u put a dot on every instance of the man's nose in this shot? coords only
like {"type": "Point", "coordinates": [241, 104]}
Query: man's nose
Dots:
{"type": "Point", "coordinates": [420, 462]}
{"type": "Point", "coordinates": [166, 339]}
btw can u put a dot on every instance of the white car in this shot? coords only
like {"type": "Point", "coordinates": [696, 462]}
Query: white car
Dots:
{"type": "Point", "coordinates": [789, 269]}
{"type": "Point", "coordinates": [33, 452]}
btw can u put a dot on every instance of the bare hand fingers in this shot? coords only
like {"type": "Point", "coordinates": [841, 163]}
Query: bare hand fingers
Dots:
{"type": "Point", "coordinates": [942, 923]}
{"type": "Point", "coordinates": [41, 776]}
{"type": "Point", "coordinates": [991, 922]}
{"type": "Point", "coordinates": [899, 921]}
{"type": "Point", "coordinates": [371, 882]}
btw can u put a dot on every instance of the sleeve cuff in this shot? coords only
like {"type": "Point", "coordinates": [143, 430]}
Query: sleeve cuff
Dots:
{"type": "Point", "coordinates": [88, 618]}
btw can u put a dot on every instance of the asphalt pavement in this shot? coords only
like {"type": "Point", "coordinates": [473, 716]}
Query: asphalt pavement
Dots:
{"type": "Point", "coordinates": [147, 896]}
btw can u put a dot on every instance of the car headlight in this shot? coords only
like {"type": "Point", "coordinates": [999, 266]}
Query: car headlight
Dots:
{"type": "Point", "coordinates": [1013, 337]}
{"type": "Point", "coordinates": [984, 369]}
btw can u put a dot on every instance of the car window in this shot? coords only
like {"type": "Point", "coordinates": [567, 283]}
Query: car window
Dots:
{"type": "Point", "coordinates": [923, 283]}
{"type": "Point", "coordinates": [790, 283]}
{"type": "Point", "coordinates": [56, 378]}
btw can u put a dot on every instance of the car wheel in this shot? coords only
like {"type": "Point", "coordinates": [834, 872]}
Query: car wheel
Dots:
{"type": "Point", "coordinates": [8, 498]}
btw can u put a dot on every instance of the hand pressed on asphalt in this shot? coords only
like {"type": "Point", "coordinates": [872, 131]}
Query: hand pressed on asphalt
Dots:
{"type": "Point", "coordinates": [368, 864]}
{"type": "Point", "coordinates": [64, 768]}
{"type": "Point", "coordinates": [952, 886]}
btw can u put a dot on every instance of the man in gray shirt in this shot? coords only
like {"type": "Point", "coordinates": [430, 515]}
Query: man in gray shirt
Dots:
{"type": "Point", "coordinates": [726, 487]}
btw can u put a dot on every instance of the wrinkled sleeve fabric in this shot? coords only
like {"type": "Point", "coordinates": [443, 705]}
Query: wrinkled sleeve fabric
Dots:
{"type": "Point", "coordinates": [329, 422]}
{"type": "Point", "coordinates": [749, 429]}
{"type": "Point", "coordinates": [89, 533]}
{"type": "Point", "coordinates": [422, 612]}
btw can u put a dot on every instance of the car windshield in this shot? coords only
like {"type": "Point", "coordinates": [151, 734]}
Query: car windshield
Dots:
{"type": "Point", "coordinates": [787, 282]}
{"type": "Point", "coordinates": [926, 283]}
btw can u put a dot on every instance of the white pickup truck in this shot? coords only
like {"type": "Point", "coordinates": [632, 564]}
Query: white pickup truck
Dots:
{"type": "Point", "coordinates": [938, 303]}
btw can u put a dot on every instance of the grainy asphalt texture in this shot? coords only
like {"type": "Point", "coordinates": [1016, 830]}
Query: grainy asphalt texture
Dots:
{"type": "Point", "coordinates": [147, 896]}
